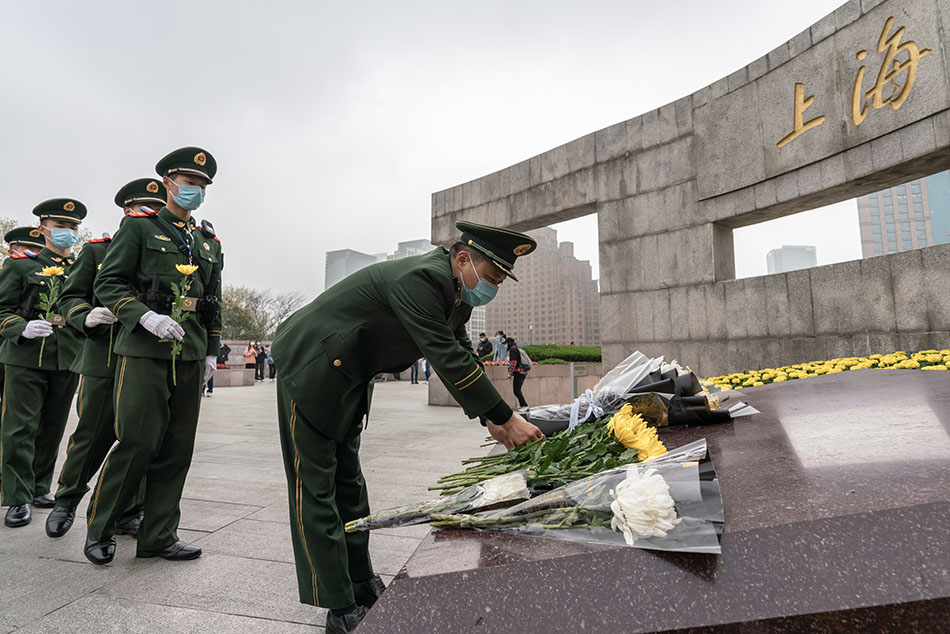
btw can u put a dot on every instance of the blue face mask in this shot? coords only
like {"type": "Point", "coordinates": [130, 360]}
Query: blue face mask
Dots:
{"type": "Point", "coordinates": [189, 197]}
{"type": "Point", "coordinates": [63, 238]}
{"type": "Point", "coordinates": [483, 292]}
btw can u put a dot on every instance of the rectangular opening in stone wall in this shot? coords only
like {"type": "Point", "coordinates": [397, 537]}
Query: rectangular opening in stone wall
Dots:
{"type": "Point", "coordinates": [908, 216]}
{"type": "Point", "coordinates": [556, 300]}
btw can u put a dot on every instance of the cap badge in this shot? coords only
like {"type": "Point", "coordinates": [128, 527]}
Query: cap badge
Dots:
{"type": "Point", "coordinates": [70, 206]}
{"type": "Point", "coordinates": [152, 187]}
{"type": "Point", "coordinates": [200, 158]}
{"type": "Point", "coordinates": [34, 233]}
{"type": "Point", "coordinates": [521, 249]}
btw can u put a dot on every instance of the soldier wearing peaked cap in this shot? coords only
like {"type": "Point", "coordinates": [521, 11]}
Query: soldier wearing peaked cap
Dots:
{"type": "Point", "coordinates": [97, 362]}
{"type": "Point", "coordinates": [378, 320]}
{"type": "Point", "coordinates": [37, 354]}
{"type": "Point", "coordinates": [22, 239]}
{"type": "Point", "coordinates": [156, 398]}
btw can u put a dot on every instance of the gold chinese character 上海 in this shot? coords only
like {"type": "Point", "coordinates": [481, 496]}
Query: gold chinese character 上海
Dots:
{"type": "Point", "coordinates": [799, 126]}
{"type": "Point", "coordinates": [890, 69]}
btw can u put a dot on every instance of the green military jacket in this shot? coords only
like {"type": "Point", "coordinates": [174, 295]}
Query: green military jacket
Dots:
{"type": "Point", "coordinates": [381, 319]}
{"type": "Point", "coordinates": [141, 250]}
{"type": "Point", "coordinates": [21, 284]}
{"type": "Point", "coordinates": [77, 300]}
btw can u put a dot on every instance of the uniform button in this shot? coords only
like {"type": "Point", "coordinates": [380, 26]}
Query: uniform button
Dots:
{"type": "Point", "coordinates": [163, 249]}
{"type": "Point", "coordinates": [337, 363]}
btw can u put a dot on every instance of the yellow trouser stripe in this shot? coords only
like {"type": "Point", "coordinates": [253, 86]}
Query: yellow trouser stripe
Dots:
{"type": "Point", "coordinates": [102, 473]}
{"type": "Point", "coordinates": [299, 502]}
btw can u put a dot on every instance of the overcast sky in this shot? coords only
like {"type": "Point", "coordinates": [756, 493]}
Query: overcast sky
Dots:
{"type": "Point", "coordinates": [333, 123]}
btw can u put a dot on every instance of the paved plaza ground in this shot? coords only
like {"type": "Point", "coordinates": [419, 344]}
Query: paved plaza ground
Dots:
{"type": "Point", "coordinates": [235, 508]}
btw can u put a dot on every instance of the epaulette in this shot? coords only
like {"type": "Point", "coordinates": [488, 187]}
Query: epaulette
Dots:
{"type": "Point", "coordinates": [142, 214]}
{"type": "Point", "coordinates": [100, 240]}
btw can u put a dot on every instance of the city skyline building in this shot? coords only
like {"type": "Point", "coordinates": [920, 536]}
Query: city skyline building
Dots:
{"type": "Point", "coordinates": [904, 217]}
{"type": "Point", "coordinates": [557, 300]}
{"type": "Point", "coordinates": [344, 262]}
{"type": "Point", "coordinates": [791, 257]}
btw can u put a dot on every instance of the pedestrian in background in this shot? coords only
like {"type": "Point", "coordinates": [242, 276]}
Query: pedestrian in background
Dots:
{"type": "Point", "coordinates": [259, 361]}
{"type": "Point", "coordinates": [501, 347]}
{"type": "Point", "coordinates": [250, 357]}
{"type": "Point", "coordinates": [428, 370]}
{"type": "Point", "coordinates": [271, 368]}
{"type": "Point", "coordinates": [414, 372]}
{"type": "Point", "coordinates": [517, 371]}
{"type": "Point", "coordinates": [484, 346]}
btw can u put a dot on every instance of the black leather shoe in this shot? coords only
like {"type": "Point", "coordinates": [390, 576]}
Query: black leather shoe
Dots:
{"type": "Point", "coordinates": [179, 551]}
{"type": "Point", "coordinates": [59, 521]}
{"type": "Point", "coordinates": [47, 501]}
{"type": "Point", "coordinates": [99, 553]}
{"type": "Point", "coordinates": [366, 592]}
{"type": "Point", "coordinates": [19, 515]}
{"type": "Point", "coordinates": [347, 623]}
{"type": "Point", "coordinates": [130, 528]}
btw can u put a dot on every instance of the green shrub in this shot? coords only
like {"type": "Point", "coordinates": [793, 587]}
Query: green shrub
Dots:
{"type": "Point", "coordinates": [552, 362]}
{"type": "Point", "coordinates": [566, 354]}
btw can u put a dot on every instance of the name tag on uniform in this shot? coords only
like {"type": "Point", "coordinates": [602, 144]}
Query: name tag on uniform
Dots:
{"type": "Point", "coordinates": [57, 320]}
{"type": "Point", "coordinates": [190, 304]}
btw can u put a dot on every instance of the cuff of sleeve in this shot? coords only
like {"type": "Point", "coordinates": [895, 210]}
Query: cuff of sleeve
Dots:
{"type": "Point", "coordinates": [12, 327]}
{"type": "Point", "coordinates": [500, 413]}
{"type": "Point", "coordinates": [129, 311]}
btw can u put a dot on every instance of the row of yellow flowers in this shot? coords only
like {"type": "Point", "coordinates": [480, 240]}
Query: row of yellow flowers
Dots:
{"type": "Point", "coordinates": [923, 360]}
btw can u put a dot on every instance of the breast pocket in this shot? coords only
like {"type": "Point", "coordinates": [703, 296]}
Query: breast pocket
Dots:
{"type": "Point", "coordinates": [160, 257]}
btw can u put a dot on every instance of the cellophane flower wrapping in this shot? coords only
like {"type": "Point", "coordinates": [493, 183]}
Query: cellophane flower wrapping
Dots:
{"type": "Point", "coordinates": [667, 503]}
{"type": "Point", "coordinates": [505, 490]}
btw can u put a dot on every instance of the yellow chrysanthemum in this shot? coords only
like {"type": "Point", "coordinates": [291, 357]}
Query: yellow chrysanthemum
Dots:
{"type": "Point", "coordinates": [49, 271]}
{"type": "Point", "coordinates": [935, 367]}
{"type": "Point", "coordinates": [186, 269]}
{"type": "Point", "coordinates": [633, 433]}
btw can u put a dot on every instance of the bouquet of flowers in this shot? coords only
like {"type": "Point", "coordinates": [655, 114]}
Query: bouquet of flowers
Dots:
{"type": "Point", "coordinates": [566, 456]}
{"type": "Point", "coordinates": [502, 490]}
{"type": "Point", "coordinates": [668, 503]}
{"type": "Point", "coordinates": [637, 374]}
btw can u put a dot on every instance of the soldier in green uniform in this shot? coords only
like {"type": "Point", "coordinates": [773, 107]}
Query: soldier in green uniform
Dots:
{"type": "Point", "coordinates": [37, 355]}
{"type": "Point", "coordinates": [156, 398]}
{"type": "Point", "coordinates": [97, 362]}
{"type": "Point", "coordinates": [378, 320]}
{"type": "Point", "coordinates": [23, 239]}
{"type": "Point", "coordinates": [19, 241]}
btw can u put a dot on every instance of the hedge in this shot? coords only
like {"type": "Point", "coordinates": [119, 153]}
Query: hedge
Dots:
{"type": "Point", "coordinates": [566, 354]}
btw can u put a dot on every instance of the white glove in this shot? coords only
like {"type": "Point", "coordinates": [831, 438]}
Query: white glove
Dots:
{"type": "Point", "coordinates": [37, 328]}
{"type": "Point", "coordinates": [98, 316]}
{"type": "Point", "coordinates": [162, 326]}
{"type": "Point", "coordinates": [211, 366]}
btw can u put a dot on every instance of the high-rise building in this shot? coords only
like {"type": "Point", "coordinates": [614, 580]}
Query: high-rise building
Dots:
{"type": "Point", "coordinates": [412, 247]}
{"type": "Point", "coordinates": [791, 257]}
{"type": "Point", "coordinates": [938, 199]}
{"type": "Point", "coordinates": [915, 214]}
{"type": "Point", "coordinates": [556, 301]}
{"type": "Point", "coordinates": [343, 263]}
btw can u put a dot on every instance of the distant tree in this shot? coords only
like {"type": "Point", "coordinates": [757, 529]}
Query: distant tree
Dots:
{"type": "Point", "coordinates": [252, 314]}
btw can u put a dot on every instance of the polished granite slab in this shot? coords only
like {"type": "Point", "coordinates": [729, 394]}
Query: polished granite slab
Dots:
{"type": "Point", "coordinates": [837, 506]}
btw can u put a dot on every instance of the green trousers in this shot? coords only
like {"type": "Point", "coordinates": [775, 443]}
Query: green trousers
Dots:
{"type": "Point", "coordinates": [34, 412]}
{"type": "Point", "coordinates": [89, 444]}
{"type": "Point", "coordinates": [155, 424]}
{"type": "Point", "coordinates": [326, 489]}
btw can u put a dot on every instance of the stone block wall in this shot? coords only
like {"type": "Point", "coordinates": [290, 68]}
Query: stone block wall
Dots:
{"type": "Point", "coordinates": [669, 187]}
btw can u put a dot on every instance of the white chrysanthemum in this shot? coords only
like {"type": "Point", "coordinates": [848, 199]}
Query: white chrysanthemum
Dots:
{"type": "Point", "coordinates": [674, 365]}
{"type": "Point", "coordinates": [503, 488]}
{"type": "Point", "coordinates": [642, 506]}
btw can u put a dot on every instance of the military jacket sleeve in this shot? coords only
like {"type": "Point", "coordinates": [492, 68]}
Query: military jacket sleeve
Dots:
{"type": "Point", "coordinates": [11, 292]}
{"type": "Point", "coordinates": [420, 305]}
{"type": "Point", "coordinates": [75, 302]}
